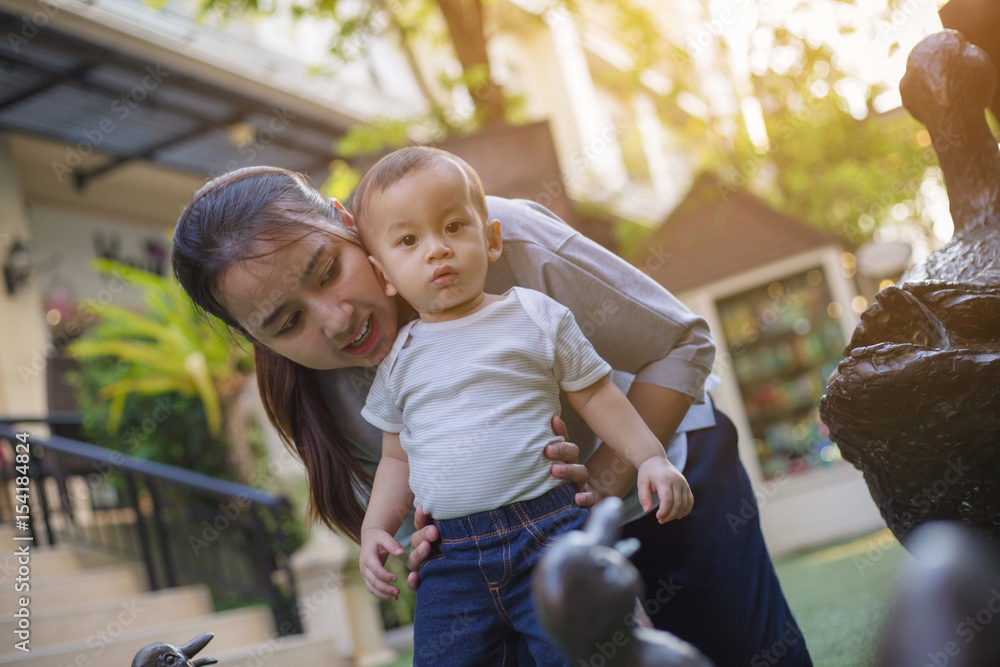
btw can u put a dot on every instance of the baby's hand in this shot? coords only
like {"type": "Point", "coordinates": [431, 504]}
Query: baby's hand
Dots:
{"type": "Point", "coordinates": [376, 546]}
{"type": "Point", "coordinates": [657, 474]}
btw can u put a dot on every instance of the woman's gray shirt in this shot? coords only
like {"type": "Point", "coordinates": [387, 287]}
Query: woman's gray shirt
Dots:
{"type": "Point", "coordinates": [633, 322]}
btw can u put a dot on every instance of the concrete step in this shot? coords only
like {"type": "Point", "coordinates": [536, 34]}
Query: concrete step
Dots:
{"type": "Point", "coordinates": [42, 564]}
{"type": "Point", "coordinates": [233, 630]}
{"type": "Point", "coordinates": [284, 651]}
{"type": "Point", "coordinates": [95, 585]}
{"type": "Point", "coordinates": [92, 622]}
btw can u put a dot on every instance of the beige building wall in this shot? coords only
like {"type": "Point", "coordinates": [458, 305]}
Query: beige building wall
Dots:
{"type": "Point", "coordinates": [24, 337]}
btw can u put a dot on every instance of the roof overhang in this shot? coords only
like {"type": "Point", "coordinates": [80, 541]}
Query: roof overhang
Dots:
{"type": "Point", "coordinates": [60, 79]}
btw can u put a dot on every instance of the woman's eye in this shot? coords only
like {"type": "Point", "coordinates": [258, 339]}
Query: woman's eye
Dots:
{"type": "Point", "coordinates": [453, 227]}
{"type": "Point", "coordinates": [330, 272]}
{"type": "Point", "coordinates": [408, 240]}
{"type": "Point", "coordinates": [290, 324]}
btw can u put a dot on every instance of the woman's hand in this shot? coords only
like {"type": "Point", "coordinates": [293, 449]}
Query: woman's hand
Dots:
{"type": "Point", "coordinates": [421, 541]}
{"type": "Point", "coordinates": [567, 454]}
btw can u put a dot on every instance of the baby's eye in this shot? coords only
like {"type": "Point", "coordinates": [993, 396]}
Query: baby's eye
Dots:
{"type": "Point", "coordinates": [408, 240]}
{"type": "Point", "coordinates": [453, 227]}
{"type": "Point", "coordinates": [290, 324]}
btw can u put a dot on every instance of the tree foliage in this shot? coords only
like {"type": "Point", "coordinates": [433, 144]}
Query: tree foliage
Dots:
{"type": "Point", "coordinates": [828, 157]}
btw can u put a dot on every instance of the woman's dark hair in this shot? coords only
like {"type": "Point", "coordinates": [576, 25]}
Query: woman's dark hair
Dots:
{"type": "Point", "coordinates": [239, 216]}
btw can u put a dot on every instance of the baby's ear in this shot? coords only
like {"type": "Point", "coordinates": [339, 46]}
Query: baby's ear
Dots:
{"type": "Point", "coordinates": [494, 244]}
{"type": "Point", "coordinates": [383, 279]}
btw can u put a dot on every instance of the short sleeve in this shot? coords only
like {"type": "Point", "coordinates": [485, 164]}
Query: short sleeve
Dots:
{"type": "Point", "coordinates": [576, 364]}
{"type": "Point", "coordinates": [380, 409]}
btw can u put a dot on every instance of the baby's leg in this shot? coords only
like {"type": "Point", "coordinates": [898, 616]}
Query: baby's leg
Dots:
{"type": "Point", "coordinates": [526, 549]}
{"type": "Point", "coordinates": [456, 623]}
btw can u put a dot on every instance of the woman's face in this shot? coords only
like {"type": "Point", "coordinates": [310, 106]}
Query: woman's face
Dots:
{"type": "Point", "coordinates": [314, 299]}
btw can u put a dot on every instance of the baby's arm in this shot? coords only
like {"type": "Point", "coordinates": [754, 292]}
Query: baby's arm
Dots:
{"type": "Point", "coordinates": [391, 502]}
{"type": "Point", "coordinates": [615, 421]}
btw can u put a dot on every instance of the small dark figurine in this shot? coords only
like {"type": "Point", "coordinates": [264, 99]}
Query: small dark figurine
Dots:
{"type": "Point", "coordinates": [916, 403]}
{"type": "Point", "coordinates": [162, 654]}
{"type": "Point", "coordinates": [947, 606]}
{"type": "Point", "coordinates": [585, 589]}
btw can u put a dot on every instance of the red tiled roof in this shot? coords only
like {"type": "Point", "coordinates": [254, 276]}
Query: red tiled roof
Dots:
{"type": "Point", "coordinates": [716, 232]}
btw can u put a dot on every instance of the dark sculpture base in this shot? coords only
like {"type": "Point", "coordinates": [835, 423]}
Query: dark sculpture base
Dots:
{"type": "Point", "coordinates": [916, 403]}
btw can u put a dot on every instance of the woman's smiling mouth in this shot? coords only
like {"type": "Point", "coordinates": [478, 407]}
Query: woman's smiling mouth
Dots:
{"type": "Point", "coordinates": [366, 338]}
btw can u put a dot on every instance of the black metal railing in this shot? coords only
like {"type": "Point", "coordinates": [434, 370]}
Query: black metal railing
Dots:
{"type": "Point", "coordinates": [184, 526]}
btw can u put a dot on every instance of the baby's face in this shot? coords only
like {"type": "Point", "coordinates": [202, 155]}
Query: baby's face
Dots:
{"type": "Point", "coordinates": [431, 241]}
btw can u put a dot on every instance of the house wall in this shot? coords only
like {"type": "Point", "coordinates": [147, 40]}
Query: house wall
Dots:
{"type": "Point", "coordinates": [815, 506]}
{"type": "Point", "coordinates": [24, 338]}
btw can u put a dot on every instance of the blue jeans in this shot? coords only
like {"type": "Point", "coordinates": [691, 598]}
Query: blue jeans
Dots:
{"type": "Point", "coordinates": [709, 578]}
{"type": "Point", "coordinates": [474, 602]}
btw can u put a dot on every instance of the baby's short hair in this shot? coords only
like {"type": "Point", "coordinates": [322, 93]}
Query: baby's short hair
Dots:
{"type": "Point", "coordinates": [394, 166]}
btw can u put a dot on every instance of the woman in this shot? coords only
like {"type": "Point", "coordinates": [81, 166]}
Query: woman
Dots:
{"type": "Point", "coordinates": [272, 258]}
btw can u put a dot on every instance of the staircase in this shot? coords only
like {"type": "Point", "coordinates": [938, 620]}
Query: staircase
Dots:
{"type": "Point", "coordinates": [87, 610]}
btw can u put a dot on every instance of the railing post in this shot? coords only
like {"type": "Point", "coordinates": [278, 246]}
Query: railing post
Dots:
{"type": "Point", "coordinates": [262, 558]}
{"type": "Point", "coordinates": [285, 564]}
{"type": "Point", "coordinates": [38, 475]}
{"type": "Point", "coordinates": [162, 535]}
{"type": "Point", "coordinates": [147, 549]}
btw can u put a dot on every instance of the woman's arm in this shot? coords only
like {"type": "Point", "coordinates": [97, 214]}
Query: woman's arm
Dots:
{"type": "Point", "coordinates": [635, 324]}
{"type": "Point", "coordinates": [631, 320]}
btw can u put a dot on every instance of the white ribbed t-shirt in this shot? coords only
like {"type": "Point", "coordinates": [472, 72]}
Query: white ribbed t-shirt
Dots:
{"type": "Point", "coordinates": [472, 400]}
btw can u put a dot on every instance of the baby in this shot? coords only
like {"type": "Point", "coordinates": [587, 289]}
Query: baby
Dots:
{"type": "Point", "coordinates": [465, 399]}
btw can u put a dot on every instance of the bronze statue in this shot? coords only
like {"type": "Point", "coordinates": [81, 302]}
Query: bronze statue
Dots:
{"type": "Point", "coordinates": [162, 654]}
{"type": "Point", "coordinates": [943, 613]}
{"type": "Point", "coordinates": [586, 589]}
{"type": "Point", "coordinates": [916, 403]}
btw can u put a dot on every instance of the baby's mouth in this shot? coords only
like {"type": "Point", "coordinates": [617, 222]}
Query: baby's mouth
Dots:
{"type": "Point", "coordinates": [444, 275]}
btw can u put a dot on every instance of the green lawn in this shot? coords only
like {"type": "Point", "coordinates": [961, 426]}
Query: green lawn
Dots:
{"type": "Point", "coordinates": [839, 594]}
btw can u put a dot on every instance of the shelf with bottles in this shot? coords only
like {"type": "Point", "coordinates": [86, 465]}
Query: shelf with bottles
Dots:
{"type": "Point", "coordinates": [777, 309]}
{"type": "Point", "coordinates": [790, 354]}
{"type": "Point", "coordinates": [789, 447]}
{"type": "Point", "coordinates": [785, 340]}
{"type": "Point", "coordinates": [796, 389]}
